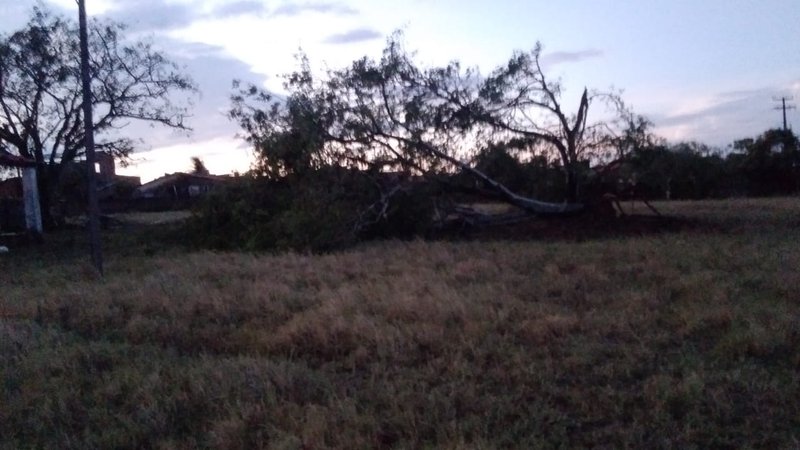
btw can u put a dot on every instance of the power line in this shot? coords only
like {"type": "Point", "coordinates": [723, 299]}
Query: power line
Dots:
{"type": "Point", "coordinates": [784, 107]}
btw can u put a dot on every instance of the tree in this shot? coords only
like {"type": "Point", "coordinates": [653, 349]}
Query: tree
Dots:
{"type": "Point", "coordinates": [519, 99]}
{"type": "Point", "coordinates": [40, 92]}
{"type": "Point", "coordinates": [771, 162]}
{"type": "Point", "coordinates": [637, 137]}
{"type": "Point", "coordinates": [288, 134]}
{"type": "Point", "coordinates": [499, 162]}
{"type": "Point", "coordinates": [198, 166]}
{"type": "Point", "coordinates": [385, 115]}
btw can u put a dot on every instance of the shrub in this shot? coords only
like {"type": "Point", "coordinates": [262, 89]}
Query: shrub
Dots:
{"type": "Point", "coordinates": [327, 209]}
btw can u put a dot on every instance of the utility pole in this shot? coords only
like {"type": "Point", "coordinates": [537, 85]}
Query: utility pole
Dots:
{"type": "Point", "coordinates": [88, 127]}
{"type": "Point", "coordinates": [784, 107]}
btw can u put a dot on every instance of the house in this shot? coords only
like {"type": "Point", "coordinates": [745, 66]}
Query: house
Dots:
{"type": "Point", "coordinates": [113, 191]}
{"type": "Point", "coordinates": [181, 186]}
{"type": "Point", "coordinates": [109, 184]}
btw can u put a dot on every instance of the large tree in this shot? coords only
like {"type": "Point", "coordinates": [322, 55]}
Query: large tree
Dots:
{"type": "Point", "coordinates": [771, 162]}
{"type": "Point", "coordinates": [392, 115]}
{"type": "Point", "coordinates": [521, 100]}
{"type": "Point", "coordinates": [40, 92]}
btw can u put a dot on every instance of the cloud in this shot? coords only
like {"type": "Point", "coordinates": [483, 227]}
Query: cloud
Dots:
{"type": "Point", "coordinates": [743, 93]}
{"type": "Point", "coordinates": [728, 105]}
{"type": "Point", "coordinates": [794, 88]}
{"type": "Point", "coordinates": [239, 8]}
{"type": "Point", "coordinates": [15, 16]}
{"type": "Point", "coordinates": [723, 117]}
{"type": "Point", "coordinates": [570, 57]}
{"type": "Point", "coordinates": [296, 9]}
{"type": "Point", "coordinates": [357, 35]}
{"type": "Point", "coordinates": [163, 15]}
{"type": "Point", "coordinates": [213, 71]}
{"type": "Point", "coordinates": [221, 155]}
{"type": "Point", "coordinates": [153, 15]}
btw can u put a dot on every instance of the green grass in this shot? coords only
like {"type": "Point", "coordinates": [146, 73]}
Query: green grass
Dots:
{"type": "Point", "coordinates": [687, 340]}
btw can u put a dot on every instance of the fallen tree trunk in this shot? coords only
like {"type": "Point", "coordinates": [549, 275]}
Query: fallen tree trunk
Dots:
{"type": "Point", "coordinates": [530, 205]}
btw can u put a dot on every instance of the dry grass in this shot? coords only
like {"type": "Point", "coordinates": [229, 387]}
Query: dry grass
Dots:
{"type": "Point", "coordinates": [676, 340]}
{"type": "Point", "coordinates": [153, 218]}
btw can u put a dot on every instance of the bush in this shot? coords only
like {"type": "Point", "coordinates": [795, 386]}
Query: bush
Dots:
{"type": "Point", "coordinates": [321, 211]}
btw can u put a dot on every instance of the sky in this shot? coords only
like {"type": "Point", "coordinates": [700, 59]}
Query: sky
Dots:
{"type": "Point", "coordinates": [704, 70]}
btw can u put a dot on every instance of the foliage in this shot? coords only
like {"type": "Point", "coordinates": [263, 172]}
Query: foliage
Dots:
{"type": "Point", "coordinates": [198, 166]}
{"type": "Point", "coordinates": [498, 162]}
{"type": "Point", "coordinates": [771, 162]}
{"type": "Point", "coordinates": [323, 210]}
{"type": "Point", "coordinates": [680, 171]}
{"type": "Point", "coordinates": [40, 92]}
{"type": "Point", "coordinates": [538, 177]}
{"type": "Point", "coordinates": [766, 165]}
{"type": "Point", "coordinates": [371, 149]}
{"type": "Point", "coordinates": [519, 100]}
{"type": "Point", "coordinates": [391, 115]}
{"type": "Point", "coordinates": [636, 137]}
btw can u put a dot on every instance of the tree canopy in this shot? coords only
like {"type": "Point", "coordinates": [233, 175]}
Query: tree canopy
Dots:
{"type": "Point", "coordinates": [392, 115]}
{"type": "Point", "coordinates": [40, 90]}
{"type": "Point", "coordinates": [771, 162]}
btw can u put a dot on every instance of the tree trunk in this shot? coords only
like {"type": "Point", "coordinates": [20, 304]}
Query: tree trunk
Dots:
{"type": "Point", "coordinates": [572, 190]}
{"type": "Point", "coordinates": [531, 205]}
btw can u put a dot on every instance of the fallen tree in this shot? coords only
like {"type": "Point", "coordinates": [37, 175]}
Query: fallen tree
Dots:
{"type": "Point", "coordinates": [389, 116]}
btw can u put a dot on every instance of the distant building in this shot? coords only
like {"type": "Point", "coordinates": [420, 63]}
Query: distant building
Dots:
{"type": "Point", "coordinates": [71, 199]}
{"type": "Point", "coordinates": [109, 184]}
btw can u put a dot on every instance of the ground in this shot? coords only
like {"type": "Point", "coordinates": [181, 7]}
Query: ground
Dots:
{"type": "Point", "coordinates": [689, 337]}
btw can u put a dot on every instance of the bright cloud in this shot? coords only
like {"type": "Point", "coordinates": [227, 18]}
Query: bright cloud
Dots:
{"type": "Point", "coordinates": [221, 156]}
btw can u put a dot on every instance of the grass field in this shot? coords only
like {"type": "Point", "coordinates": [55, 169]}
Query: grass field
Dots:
{"type": "Point", "coordinates": [681, 340]}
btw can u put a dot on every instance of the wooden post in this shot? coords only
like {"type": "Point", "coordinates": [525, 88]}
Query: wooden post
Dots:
{"type": "Point", "coordinates": [88, 124]}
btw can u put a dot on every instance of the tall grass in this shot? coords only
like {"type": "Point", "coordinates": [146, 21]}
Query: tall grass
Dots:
{"type": "Point", "coordinates": [674, 340]}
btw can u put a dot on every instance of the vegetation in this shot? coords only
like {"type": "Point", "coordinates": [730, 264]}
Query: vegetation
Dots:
{"type": "Point", "coordinates": [321, 210]}
{"type": "Point", "coordinates": [198, 166]}
{"type": "Point", "coordinates": [671, 340]}
{"type": "Point", "coordinates": [391, 115]}
{"type": "Point", "coordinates": [40, 94]}
{"type": "Point", "coordinates": [340, 159]}
{"type": "Point", "coordinates": [586, 329]}
{"type": "Point", "coordinates": [386, 148]}
{"type": "Point", "coordinates": [766, 165]}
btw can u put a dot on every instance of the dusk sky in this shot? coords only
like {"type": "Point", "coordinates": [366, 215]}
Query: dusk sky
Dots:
{"type": "Point", "coordinates": [703, 70]}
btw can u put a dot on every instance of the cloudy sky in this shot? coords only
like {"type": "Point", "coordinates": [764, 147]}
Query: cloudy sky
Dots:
{"type": "Point", "coordinates": [702, 70]}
